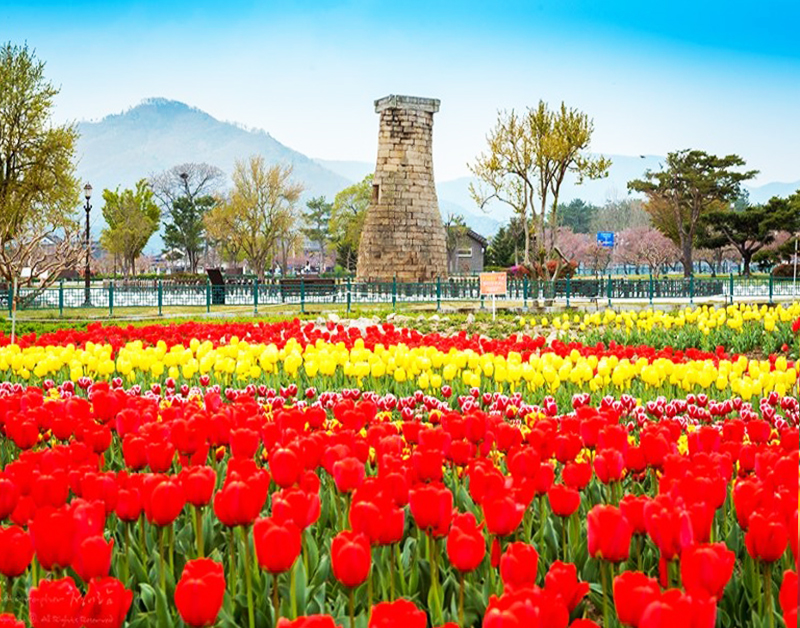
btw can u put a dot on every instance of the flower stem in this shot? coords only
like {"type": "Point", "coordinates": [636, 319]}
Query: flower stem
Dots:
{"type": "Point", "coordinates": [352, 609]}
{"type": "Point", "coordinates": [461, 600]}
{"type": "Point", "coordinates": [276, 601]}
{"type": "Point", "coordinates": [247, 583]}
{"type": "Point", "coordinates": [293, 590]}
{"type": "Point", "coordinates": [198, 523]}
{"type": "Point", "coordinates": [768, 594]}
{"type": "Point", "coordinates": [606, 594]}
{"type": "Point", "coordinates": [232, 562]}
{"type": "Point", "coordinates": [163, 570]}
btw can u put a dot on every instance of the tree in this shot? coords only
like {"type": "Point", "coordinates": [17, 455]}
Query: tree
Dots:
{"type": "Point", "coordinates": [186, 193]}
{"type": "Point", "coordinates": [752, 228]}
{"type": "Point", "coordinates": [455, 236]}
{"type": "Point", "coordinates": [39, 194]}
{"type": "Point", "coordinates": [692, 184]}
{"type": "Point", "coordinates": [645, 245]}
{"type": "Point", "coordinates": [619, 214]}
{"type": "Point", "coordinates": [258, 213]}
{"type": "Point", "coordinates": [582, 248]}
{"type": "Point", "coordinates": [317, 219]}
{"type": "Point", "coordinates": [505, 246]}
{"type": "Point", "coordinates": [132, 217]}
{"type": "Point", "coordinates": [347, 221]}
{"type": "Point", "coordinates": [528, 157]}
{"type": "Point", "coordinates": [577, 215]}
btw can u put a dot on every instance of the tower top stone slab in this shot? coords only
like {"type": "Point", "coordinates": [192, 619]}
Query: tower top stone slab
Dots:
{"type": "Point", "coordinates": [412, 103]}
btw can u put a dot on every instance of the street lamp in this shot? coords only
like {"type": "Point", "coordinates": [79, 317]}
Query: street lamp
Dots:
{"type": "Point", "coordinates": [87, 300]}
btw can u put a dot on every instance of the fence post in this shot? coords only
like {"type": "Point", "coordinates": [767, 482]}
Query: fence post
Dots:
{"type": "Point", "coordinates": [348, 295]}
{"type": "Point", "coordinates": [609, 290]}
{"type": "Point", "coordinates": [568, 289]}
{"type": "Point", "coordinates": [255, 296]}
{"type": "Point", "coordinates": [691, 289]}
{"type": "Point", "coordinates": [770, 288]}
{"type": "Point", "coordinates": [160, 297]}
{"type": "Point", "coordinates": [651, 290]}
{"type": "Point", "coordinates": [10, 298]}
{"type": "Point", "coordinates": [394, 293]}
{"type": "Point", "coordinates": [111, 298]}
{"type": "Point", "coordinates": [525, 294]}
{"type": "Point", "coordinates": [438, 294]}
{"type": "Point", "coordinates": [208, 295]}
{"type": "Point", "coordinates": [731, 287]}
{"type": "Point", "coordinates": [302, 295]}
{"type": "Point", "coordinates": [61, 298]}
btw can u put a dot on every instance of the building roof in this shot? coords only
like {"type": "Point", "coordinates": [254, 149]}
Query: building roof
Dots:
{"type": "Point", "coordinates": [477, 237]}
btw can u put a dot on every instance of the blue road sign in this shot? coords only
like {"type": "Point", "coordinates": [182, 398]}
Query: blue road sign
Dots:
{"type": "Point", "coordinates": [605, 238]}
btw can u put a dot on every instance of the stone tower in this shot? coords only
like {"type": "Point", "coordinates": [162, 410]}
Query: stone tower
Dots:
{"type": "Point", "coordinates": [403, 234]}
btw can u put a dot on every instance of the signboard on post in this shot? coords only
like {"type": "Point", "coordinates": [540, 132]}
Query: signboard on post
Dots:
{"type": "Point", "coordinates": [606, 239]}
{"type": "Point", "coordinates": [493, 284]}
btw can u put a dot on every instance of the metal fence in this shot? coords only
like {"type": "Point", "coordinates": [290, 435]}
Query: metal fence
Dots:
{"type": "Point", "coordinates": [111, 296]}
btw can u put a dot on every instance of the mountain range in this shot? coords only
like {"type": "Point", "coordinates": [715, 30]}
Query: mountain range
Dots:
{"type": "Point", "coordinates": [157, 134]}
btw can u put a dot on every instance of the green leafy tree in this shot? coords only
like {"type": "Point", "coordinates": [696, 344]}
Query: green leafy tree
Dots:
{"type": "Point", "coordinates": [526, 162]}
{"type": "Point", "coordinates": [317, 219]}
{"type": "Point", "coordinates": [39, 195]}
{"type": "Point", "coordinates": [187, 231]}
{"type": "Point", "coordinates": [186, 192]}
{"type": "Point", "coordinates": [259, 214]}
{"type": "Point", "coordinates": [750, 229]}
{"type": "Point", "coordinates": [455, 238]}
{"type": "Point", "coordinates": [692, 184]}
{"type": "Point", "coordinates": [577, 215]}
{"type": "Point", "coordinates": [347, 221]}
{"type": "Point", "coordinates": [506, 246]}
{"type": "Point", "coordinates": [132, 217]}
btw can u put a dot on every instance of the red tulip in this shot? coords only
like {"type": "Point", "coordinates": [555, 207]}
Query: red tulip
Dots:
{"type": "Point", "coordinates": [633, 593]}
{"type": "Point", "coordinates": [563, 500]}
{"type": "Point", "coordinates": [503, 515]}
{"type": "Point", "coordinates": [766, 538]}
{"type": "Point", "coordinates": [562, 579]}
{"type": "Point", "coordinates": [348, 474]}
{"type": "Point", "coordinates": [518, 565]}
{"type": "Point", "coordinates": [200, 591]}
{"type": "Point", "coordinates": [674, 608]}
{"type": "Point", "coordinates": [9, 496]}
{"type": "Point", "coordinates": [244, 443]}
{"type": "Point", "coordinates": [706, 569]}
{"type": "Point", "coordinates": [160, 455]}
{"type": "Point", "coordinates": [52, 532]}
{"type": "Point", "coordinates": [163, 500]}
{"type": "Point", "coordinates": [296, 505]}
{"type": "Point", "coordinates": [93, 558]}
{"type": "Point", "coordinates": [277, 544]}
{"type": "Point", "coordinates": [608, 534]}
{"type": "Point", "coordinates": [668, 525]}
{"type": "Point", "coordinates": [577, 474]}
{"type": "Point", "coordinates": [198, 484]}
{"type": "Point", "coordinates": [399, 614]}
{"type": "Point", "coordinates": [351, 558]}
{"type": "Point", "coordinates": [129, 504]}
{"type": "Point", "coordinates": [239, 503]}
{"type": "Point", "coordinates": [432, 508]}
{"type": "Point", "coordinates": [286, 466]}
{"type": "Point", "coordinates": [9, 621]}
{"type": "Point", "coordinates": [55, 604]}
{"type": "Point", "coordinates": [16, 551]}
{"type": "Point", "coordinates": [466, 545]}
{"type": "Point", "coordinates": [632, 508]}
{"type": "Point", "coordinates": [106, 604]}
{"type": "Point", "coordinates": [609, 465]}
{"type": "Point", "coordinates": [788, 596]}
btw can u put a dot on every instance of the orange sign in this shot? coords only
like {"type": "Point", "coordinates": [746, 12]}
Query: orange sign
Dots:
{"type": "Point", "coordinates": [493, 284]}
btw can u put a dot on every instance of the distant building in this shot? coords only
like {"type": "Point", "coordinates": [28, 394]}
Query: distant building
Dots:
{"type": "Point", "coordinates": [468, 257]}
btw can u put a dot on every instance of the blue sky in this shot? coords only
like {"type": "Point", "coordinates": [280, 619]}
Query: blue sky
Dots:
{"type": "Point", "coordinates": [655, 76]}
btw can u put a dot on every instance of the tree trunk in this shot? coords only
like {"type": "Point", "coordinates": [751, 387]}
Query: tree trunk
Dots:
{"type": "Point", "coordinates": [526, 257]}
{"type": "Point", "coordinates": [747, 257]}
{"type": "Point", "coordinates": [686, 258]}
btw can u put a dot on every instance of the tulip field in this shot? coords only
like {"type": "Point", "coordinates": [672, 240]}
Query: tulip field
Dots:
{"type": "Point", "coordinates": [606, 469]}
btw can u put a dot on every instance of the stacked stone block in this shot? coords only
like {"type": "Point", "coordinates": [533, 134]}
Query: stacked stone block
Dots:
{"type": "Point", "coordinates": [403, 234]}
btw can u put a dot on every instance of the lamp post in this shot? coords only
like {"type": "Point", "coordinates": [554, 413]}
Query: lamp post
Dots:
{"type": "Point", "coordinates": [87, 291]}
